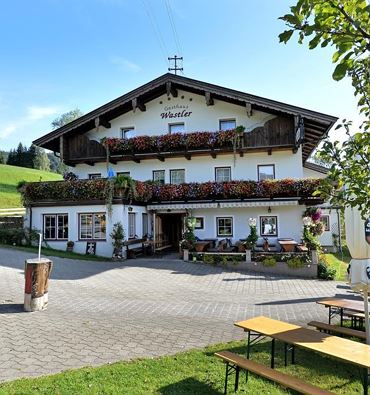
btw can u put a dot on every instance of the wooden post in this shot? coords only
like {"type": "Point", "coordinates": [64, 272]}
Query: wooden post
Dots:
{"type": "Point", "coordinates": [37, 272]}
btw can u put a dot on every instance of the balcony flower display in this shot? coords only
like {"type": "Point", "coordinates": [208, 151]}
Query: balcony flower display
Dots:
{"type": "Point", "coordinates": [79, 190]}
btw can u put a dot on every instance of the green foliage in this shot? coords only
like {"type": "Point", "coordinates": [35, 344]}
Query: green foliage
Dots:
{"type": "Point", "coordinates": [311, 241]}
{"type": "Point", "coordinates": [188, 237]}
{"type": "Point", "coordinates": [2, 158]}
{"type": "Point", "coordinates": [125, 185]}
{"type": "Point", "coordinates": [325, 272]}
{"type": "Point", "coordinates": [66, 118]}
{"type": "Point", "coordinates": [252, 237]}
{"type": "Point", "coordinates": [109, 193]}
{"type": "Point", "coordinates": [295, 262]}
{"type": "Point", "coordinates": [214, 259]}
{"type": "Point", "coordinates": [344, 26]}
{"type": "Point", "coordinates": [269, 262]}
{"type": "Point", "coordinates": [350, 167]}
{"type": "Point", "coordinates": [118, 235]}
{"type": "Point", "coordinates": [18, 236]}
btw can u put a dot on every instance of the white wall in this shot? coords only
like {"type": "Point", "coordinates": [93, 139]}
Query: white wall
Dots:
{"type": "Point", "coordinates": [103, 248]}
{"type": "Point", "coordinates": [326, 239]}
{"type": "Point", "coordinates": [202, 117]}
{"type": "Point", "coordinates": [202, 168]}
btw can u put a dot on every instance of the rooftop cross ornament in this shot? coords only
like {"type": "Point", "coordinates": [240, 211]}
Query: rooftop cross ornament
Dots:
{"type": "Point", "coordinates": [175, 59]}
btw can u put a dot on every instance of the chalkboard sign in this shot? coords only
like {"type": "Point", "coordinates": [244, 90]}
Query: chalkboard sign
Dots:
{"type": "Point", "coordinates": [91, 248]}
{"type": "Point", "coordinates": [367, 230]}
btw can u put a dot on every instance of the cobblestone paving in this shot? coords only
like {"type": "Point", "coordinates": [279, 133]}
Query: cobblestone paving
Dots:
{"type": "Point", "coordinates": [102, 312]}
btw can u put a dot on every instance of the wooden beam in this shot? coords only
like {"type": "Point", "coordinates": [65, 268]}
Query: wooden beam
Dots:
{"type": "Point", "coordinates": [101, 121]}
{"type": "Point", "coordinates": [171, 90]}
{"type": "Point", "coordinates": [90, 163]}
{"type": "Point", "coordinates": [214, 155]}
{"type": "Point", "coordinates": [209, 99]}
{"type": "Point", "coordinates": [241, 154]}
{"type": "Point", "coordinates": [249, 109]}
{"type": "Point", "coordinates": [135, 159]}
{"type": "Point", "coordinates": [161, 158]}
{"type": "Point", "coordinates": [136, 103]}
{"type": "Point", "coordinates": [187, 156]}
{"type": "Point", "coordinates": [269, 151]}
{"type": "Point", "coordinates": [61, 148]}
{"type": "Point", "coordinates": [113, 161]}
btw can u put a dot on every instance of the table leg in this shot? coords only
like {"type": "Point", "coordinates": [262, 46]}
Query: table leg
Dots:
{"type": "Point", "coordinates": [226, 377]}
{"type": "Point", "coordinates": [341, 317]}
{"type": "Point", "coordinates": [365, 381]}
{"type": "Point", "coordinates": [329, 315]}
{"type": "Point", "coordinates": [272, 353]}
{"type": "Point", "coordinates": [285, 354]}
{"type": "Point", "coordinates": [236, 385]}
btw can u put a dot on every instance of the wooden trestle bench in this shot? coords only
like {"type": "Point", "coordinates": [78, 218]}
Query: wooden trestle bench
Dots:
{"type": "Point", "coordinates": [236, 363]}
{"type": "Point", "coordinates": [131, 251]}
{"type": "Point", "coordinates": [340, 330]}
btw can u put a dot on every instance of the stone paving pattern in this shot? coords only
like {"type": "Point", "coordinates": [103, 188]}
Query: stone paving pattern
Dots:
{"type": "Point", "coordinates": [102, 312]}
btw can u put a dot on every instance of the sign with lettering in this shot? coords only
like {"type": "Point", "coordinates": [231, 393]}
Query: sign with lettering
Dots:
{"type": "Point", "coordinates": [367, 230]}
{"type": "Point", "coordinates": [176, 111]}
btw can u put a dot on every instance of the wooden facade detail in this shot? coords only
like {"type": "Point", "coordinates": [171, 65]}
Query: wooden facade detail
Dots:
{"type": "Point", "coordinates": [248, 108]}
{"type": "Point", "coordinates": [80, 147]}
{"type": "Point", "coordinates": [137, 103]}
{"type": "Point", "coordinates": [171, 90]}
{"type": "Point", "coordinates": [209, 99]}
{"type": "Point", "coordinates": [101, 121]}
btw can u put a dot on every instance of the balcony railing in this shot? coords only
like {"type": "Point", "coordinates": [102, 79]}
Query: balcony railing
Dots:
{"type": "Point", "coordinates": [145, 192]}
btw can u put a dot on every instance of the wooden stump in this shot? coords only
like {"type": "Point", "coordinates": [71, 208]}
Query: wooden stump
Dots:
{"type": "Point", "coordinates": [37, 272]}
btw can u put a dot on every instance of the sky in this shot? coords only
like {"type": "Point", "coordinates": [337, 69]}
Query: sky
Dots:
{"type": "Point", "coordinates": [56, 55]}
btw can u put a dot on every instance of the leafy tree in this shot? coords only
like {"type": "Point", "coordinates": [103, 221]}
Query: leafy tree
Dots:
{"type": "Point", "coordinates": [41, 160]}
{"type": "Point", "coordinates": [66, 118]}
{"type": "Point", "coordinates": [344, 25]}
{"type": "Point", "coordinates": [2, 158]}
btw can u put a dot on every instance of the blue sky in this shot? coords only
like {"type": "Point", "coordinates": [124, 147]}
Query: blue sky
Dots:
{"type": "Point", "coordinates": [60, 54]}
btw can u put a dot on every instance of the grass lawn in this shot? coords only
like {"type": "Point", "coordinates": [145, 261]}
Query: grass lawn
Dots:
{"type": "Point", "coordinates": [9, 178]}
{"type": "Point", "coordinates": [340, 263]}
{"type": "Point", "coordinates": [58, 253]}
{"type": "Point", "coordinates": [193, 372]}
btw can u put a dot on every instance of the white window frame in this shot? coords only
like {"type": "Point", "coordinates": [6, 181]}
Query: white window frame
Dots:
{"type": "Point", "coordinates": [131, 225]}
{"type": "Point", "coordinates": [223, 168]}
{"type": "Point", "coordinates": [56, 226]}
{"type": "Point", "coordinates": [218, 226]}
{"type": "Point", "coordinates": [94, 176]}
{"type": "Point", "coordinates": [326, 224]}
{"type": "Point", "coordinates": [226, 120]}
{"type": "Point", "coordinates": [159, 180]}
{"type": "Point", "coordinates": [144, 224]}
{"type": "Point", "coordinates": [176, 124]}
{"type": "Point", "coordinates": [125, 130]}
{"type": "Point", "coordinates": [262, 234]}
{"type": "Point", "coordinates": [266, 165]}
{"type": "Point", "coordinates": [94, 216]}
{"type": "Point", "coordinates": [171, 176]}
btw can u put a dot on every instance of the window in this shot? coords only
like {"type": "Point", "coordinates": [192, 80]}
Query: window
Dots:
{"type": "Point", "coordinates": [268, 226]}
{"type": "Point", "coordinates": [222, 174]}
{"type": "Point", "coordinates": [176, 127]}
{"type": "Point", "coordinates": [266, 172]}
{"type": "Point", "coordinates": [144, 219]}
{"type": "Point", "coordinates": [177, 176]}
{"type": "Point", "coordinates": [325, 219]}
{"type": "Point", "coordinates": [131, 225]}
{"type": "Point", "coordinates": [93, 176]}
{"type": "Point", "coordinates": [92, 226]}
{"type": "Point", "coordinates": [227, 124]}
{"type": "Point", "coordinates": [224, 226]}
{"type": "Point", "coordinates": [159, 176]}
{"type": "Point", "coordinates": [127, 133]}
{"type": "Point", "coordinates": [123, 173]}
{"type": "Point", "coordinates": [55, 226]}
{"type": "Point", "coordinates": [199, 223]}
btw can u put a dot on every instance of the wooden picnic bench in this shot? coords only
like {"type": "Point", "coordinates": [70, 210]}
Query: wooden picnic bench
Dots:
{"type": "Point", "coordinates": [131, 251]}
{"type": "Point", "coordinates": [343, 307]}
{"type": "Point", "coordinates": [340, 330]}
{"type": "Point", "coordinates": [346, 350]}
{"type": "Point", "coordinates": [235, 363]}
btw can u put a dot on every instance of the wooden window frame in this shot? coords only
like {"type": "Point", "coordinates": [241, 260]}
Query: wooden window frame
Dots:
{"type": "Point", "coordinates": [164, 173]}
{"type": "Point", "coordinates": [265, 165]}
{"type": "Point", "coordinates": [277, 225]}
{"type": "Point", "coordinates": [123, 130]}
{"type": "Point", "coordinates": [56, 215]}
{"type": "Point", "coordinates": [222, 167]}
{"type": "Point", "coordinates": [225, 120]}
{"type": "Point", "coordinates": [92, 238]}
{"type": "Point", "coordinates": [124, 173]}
{"type": "Point", "coordinates": [232, 227]}
{"type": "Point", "coordinates": [202, 223]}
{"type": "Point", "coordinates": [172, 170]}
{"type": "Point", "coordinates": [131, 214]}
{"type": "Point", "coordinates": [146, 222]}
{"type": "Point", "coordinates": [174, 124]}
{"type": "Point", "coordinates": [92, 176]}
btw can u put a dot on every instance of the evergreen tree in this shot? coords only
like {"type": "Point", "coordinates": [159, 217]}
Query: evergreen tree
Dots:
{"type": "Point", "coordinates": [2, 158]}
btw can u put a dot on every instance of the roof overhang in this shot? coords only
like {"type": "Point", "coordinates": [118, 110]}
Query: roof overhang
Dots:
{"type": "Point", "coordinates": [317, 125]}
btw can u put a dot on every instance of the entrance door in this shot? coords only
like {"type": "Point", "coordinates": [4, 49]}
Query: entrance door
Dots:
{"type": "Point", "coordinates": [172, 225]}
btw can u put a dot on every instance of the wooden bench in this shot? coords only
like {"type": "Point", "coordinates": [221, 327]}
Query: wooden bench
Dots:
{"type": "Point", "coordinates": [235, 363]}
{"type": "Point", "coordinates": [341, 330]}
{"type": "Point", "coordinates": [132, 252]}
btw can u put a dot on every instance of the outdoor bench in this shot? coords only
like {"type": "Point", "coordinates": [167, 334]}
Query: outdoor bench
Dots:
{"type": "Point", "coordinates": [132, 250]}
{"type": "Point", "coordinates": [235, 363]}
{"type": "Point", "coordinates": [334, 329]}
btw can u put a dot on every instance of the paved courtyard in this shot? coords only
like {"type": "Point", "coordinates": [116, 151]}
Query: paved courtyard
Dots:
{"type": "Point", "coordinates": [102, 312]}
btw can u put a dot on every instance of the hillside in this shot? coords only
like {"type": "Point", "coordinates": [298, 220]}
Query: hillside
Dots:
{"type": "Point", "coordinates": [9, 178]}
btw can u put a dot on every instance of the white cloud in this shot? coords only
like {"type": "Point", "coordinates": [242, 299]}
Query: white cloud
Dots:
{"type": "Point", "coordinates": [126, 64]}
{"type": "Point", "coordinates": [7, 131]}
{"type": "Point", "coordinates": [35, 113]}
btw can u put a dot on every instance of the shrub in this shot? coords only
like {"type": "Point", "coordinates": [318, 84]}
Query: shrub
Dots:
{"type": "Point", "coordinates": [325, 272]}
{"type": "Point", "coordinates": [269, 262]}
{"type": "Point", "coordinates": [295, 262]}
{"type": "Point", "coordinates": [209, 259]}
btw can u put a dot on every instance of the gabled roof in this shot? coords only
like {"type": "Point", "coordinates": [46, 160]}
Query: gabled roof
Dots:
{"type": "Point", "coordinates": [315, 167]}
{"type": "Point", "coordinates": [316, 124]}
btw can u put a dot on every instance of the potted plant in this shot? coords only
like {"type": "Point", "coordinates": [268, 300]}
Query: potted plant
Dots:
{"type": "Point", "coordinates": [118, 236]}
{"type": "Point", "coordinates": [251, 240]}
{"type": "Point", "coordinates": [188, 238]}
{"type": "Point", "coordinates": [70, 245]}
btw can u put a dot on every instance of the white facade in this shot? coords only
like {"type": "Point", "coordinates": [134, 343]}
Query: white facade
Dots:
{"type": "Point", "coordinates": [191, 110]}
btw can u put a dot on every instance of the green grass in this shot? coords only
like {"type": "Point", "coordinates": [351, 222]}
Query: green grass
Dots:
{"type": "Point", "coordinates": [193, 372]}
{"type": "Point", "coordinates": [340, 263]}
{"type": "Point", "coordinates": [58, 253]}
{"type": "Point", "coordinates": [9, 178]}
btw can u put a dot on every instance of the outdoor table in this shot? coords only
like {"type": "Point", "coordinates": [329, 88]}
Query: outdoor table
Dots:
{"type": "Point", "coordinates": [288, 245]}
{"type": "Point", "coordinates": [337, 306]}
{"type": "Point", "coordinates": [211, 241]}
{"type": "Point", "coordinates": [201, 246]}
{"type": "Point", "coordinates": [345, 350]}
